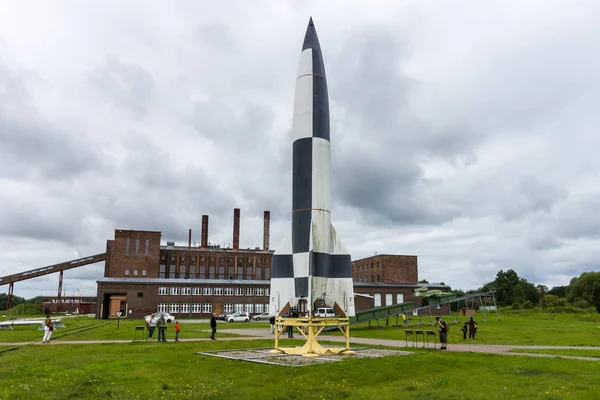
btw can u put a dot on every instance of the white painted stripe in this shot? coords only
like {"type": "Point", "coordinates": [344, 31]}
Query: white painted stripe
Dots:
{"type": "Point", "coordinates": [303, 98]}
{"type": "Point", "coordinates": [321, 174]}
{"type": "Point", "coordinates": [321, 231]}
{"type": "Point", "coordinates": [301, 263]}
{"type": "Point", "coordinates": [337, 247]}
{"type": "Point", "coordinates": [283, 290]}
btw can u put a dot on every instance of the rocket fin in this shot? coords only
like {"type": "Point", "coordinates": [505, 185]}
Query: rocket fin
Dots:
{"type": "Point", "coordinates": [282, 275]}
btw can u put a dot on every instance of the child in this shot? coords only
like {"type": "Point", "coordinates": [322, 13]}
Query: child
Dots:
{"type": "Point", "coordinates": [464, 331]}
{"type": "Point", "coordinates": [177, 329]}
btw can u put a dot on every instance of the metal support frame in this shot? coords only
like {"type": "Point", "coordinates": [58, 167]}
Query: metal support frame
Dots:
{"type": "Point", "coordinates": [11, 287]}
{"type": "Point", "coordinates": [60, 281]}
{"type": "Point", "coordinates": [310, 328]}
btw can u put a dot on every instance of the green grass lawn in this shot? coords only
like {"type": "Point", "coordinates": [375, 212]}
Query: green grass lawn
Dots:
{"type": "Point", "coordinates": [517, 328]}
{"type": "Point", "coordinates": [84, 328]}
{"type": "Point", "coordinates": [561, 352]}
{"type": "Point", "coordinates": [174, 371]}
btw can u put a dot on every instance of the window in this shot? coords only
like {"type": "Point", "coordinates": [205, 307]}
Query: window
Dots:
{"type": "Point", "coordinates": [162, 291]}
{"type": "Point", "coordinates": [127, 246]}
{"type": "Point", "coordinates": [399, 298]}
{"type": "Point", "coordinates": [266, 308]}
{"type": "Point", "coordinates": [207, 291]}
{"type": "Point", "coordinates": [221, 272]}
{"type": "Point", "coordinates": [389, 299]}
{"type": "Point", "coordinates": [259, 308]}
{"type": "Point", "coordinates": [249, 291]}
{"type": "Point", "coordinates": [239, 291]}
{"type": "Point", "coordinates": [135, 272]}
{"type": "Point", "coordinates": [218, 291]}
{"type": "Point", "coordinates": [126, 272]}
{"type": "Point", "coordinates": [174, 291]}
{"type": "Point", "coordinates": [202, 272]}
{"type": "Point", "coordinates": [230, 272]}
{"type": "Point", "coordinates": [197, 291]}
{"type": "Point", "coordinates": [147, 247]}
{"type": "Point", "coordinates": [185, 308]}
{"type": "Point", "coordinates": [249, 308]}
{"type": "Point", "coordinates": [267, 292]}
{"type": "Point", "coordinates": [239, 307]}
{"type": "Point", "coordinates": [267, 274]}
{"type": "Point", "coordinates": [186, 291]}
{"type": "Point", "coordinates": [258, 273]}
{"type": "Point", "coordinates": [182, 272]}
{"type": "Point", "coordinates": [173, 308]}
{"type": "Point", "coordinates": [161, 271]}
{"type": "Point", "coordinates": [207, 308]}
{"type": "Point", "coordinates": [162, 307]}
{"type": "Point", "coordinates": [260, 292]}
{"type": "Point", "coordinates": [137, 247]}
{"type": "Point", "coordinates": [377, 299]}
{"type": "Point", "coordinates": [140, 294]}
{"type": "Point", "coordinates": [248, 273]}
{"type": "Point", "coordinates": [196, 308]}
{"type": "Point", "coordinates": [172, 271]}
{"type": "Point", "coordinates": [192, 271]}
{"type": "Point", "coordinates": [228, 307]}
{"type": "Point", "coordinates": [228, 291]}
{"type": "Point", "coordinates": [240, 273]}
{"type": "Point", "coordinates": [143, 272]}
{"type": "Point", "coordinates": [211, 272]}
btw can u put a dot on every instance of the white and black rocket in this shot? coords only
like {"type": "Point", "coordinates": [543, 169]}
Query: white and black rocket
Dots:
{"type": "Point", "coordinates": [311, 268]}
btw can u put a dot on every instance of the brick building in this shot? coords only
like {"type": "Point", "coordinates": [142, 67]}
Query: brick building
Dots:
{"type": "Point", "coordinates": [70, 304]}
{"type": "Point", "coordinates": [142, 276]}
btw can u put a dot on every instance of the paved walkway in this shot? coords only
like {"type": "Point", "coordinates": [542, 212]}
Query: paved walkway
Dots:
{"type": "Point", "coordinates": [265, 333]}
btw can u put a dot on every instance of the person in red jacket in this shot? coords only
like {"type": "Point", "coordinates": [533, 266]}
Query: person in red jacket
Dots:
{"type": "Point", "coordinates": [177, 330]}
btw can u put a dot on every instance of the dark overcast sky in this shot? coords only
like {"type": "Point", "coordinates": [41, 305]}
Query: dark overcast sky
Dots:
{"type": "Point", "coordinates": [462, 132]}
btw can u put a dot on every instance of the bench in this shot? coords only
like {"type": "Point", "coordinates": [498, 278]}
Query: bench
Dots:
{"type": "Point", "coordinates": [430, 333]}
{"type": "Point", "coordinates": [417, 333]}
{"type": "Point", "coordinates": [139, 328]}
{"type": "Point", "coordinates": [411, 333]}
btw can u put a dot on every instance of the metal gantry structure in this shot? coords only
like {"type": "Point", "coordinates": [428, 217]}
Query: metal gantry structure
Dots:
{"type": "Point", "coordinates": [34, 273]}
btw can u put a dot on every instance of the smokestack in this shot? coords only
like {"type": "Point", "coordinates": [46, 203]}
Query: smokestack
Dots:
{"type": "Point", "coordinates": [266, 230]}
{"type": "Point", "coordinates": [236, 228]}
{"type": "Point", "coordinates": [204, 239]}
{"type": "Point", "coordinates": [190, 238]}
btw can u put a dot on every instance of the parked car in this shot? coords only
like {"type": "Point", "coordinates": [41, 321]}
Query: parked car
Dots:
{"type": "Point", "coordinates": [168, 317]}
{"type": "Point", "coordinates": [223, 316]}
{"type": "Point", "coordinates": [238, 317]}
{"type": "Point", "coordinates": [261, 317]}
{"type": "Point", "coordinates": [325, 312]}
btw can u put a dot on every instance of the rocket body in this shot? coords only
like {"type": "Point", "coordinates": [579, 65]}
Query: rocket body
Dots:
{"type": "Point", "coordinates": [311, 268]}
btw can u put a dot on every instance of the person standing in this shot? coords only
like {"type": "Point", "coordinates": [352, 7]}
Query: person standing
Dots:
{"type": "Point", "coordinates": [48, 328]}
{"type": "Point", "coordinates": [177, 330]}
{"type": "Point", "coordinates": [443, 330]}
{"type": "Point", "coordinates": [272, 322]}
{"type": "Point", "coordinates": [213, 326]}
{"type": "Point", "coordinates": [464, 330]}
{"type": "Point", "coordinates": [472, 328]}
{"type": "Point", "coordinates": [151, 325]}
{"type": "Point", "coordinates": [162, 327]}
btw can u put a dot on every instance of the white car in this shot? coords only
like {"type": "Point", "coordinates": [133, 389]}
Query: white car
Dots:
{"type": "Point", "coordinates": [238, 317]}
{"type": "Point", "coordinates": [325, 312]}
{"type": "Point", "coordinates": [261, 317]}
{"type": "Point", "coordinates": [168, 317]}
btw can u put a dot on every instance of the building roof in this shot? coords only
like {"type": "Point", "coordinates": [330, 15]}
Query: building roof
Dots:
{"type": "Point", "coordinates": [384, 255]}
{"type": "Point", "coordinates": [408, 285]}
{"type": "Point", "coordinates": [217, 249]}
{"type": "Point", "coordinates": [174, 281]}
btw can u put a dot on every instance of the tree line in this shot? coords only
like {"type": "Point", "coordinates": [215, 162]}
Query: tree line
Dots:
{"type": "Point", "coordinates": [16, 300]}
{"type": "Point", "coordinates": [511, 290]}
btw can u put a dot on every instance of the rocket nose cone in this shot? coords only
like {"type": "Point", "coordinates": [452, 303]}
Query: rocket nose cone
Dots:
{"type": "Point", "coordinates": [311, 41]}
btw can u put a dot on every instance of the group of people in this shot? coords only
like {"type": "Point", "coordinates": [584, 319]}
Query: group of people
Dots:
{"type": "Point", "coordinates": [470, 326]}
{"type": "Point", "coordinates": [152, 323]}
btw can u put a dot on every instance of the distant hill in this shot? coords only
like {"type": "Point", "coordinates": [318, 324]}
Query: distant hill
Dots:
{"type": "Point", "coordinates": [25, 309]}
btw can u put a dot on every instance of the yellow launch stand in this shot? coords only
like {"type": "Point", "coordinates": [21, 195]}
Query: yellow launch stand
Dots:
{"type": "Point", "coordinates": [313, 327]}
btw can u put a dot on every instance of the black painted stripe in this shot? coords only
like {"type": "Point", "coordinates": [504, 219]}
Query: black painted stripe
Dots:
{"type": "Point", "coordinates": [320, 97]}
{"type": "Point", "coordinates": [283, 266]}
{"type": "Point", "coordinates": [302, 174]}
{"type": "Point", "coordinates": [301, 223]}
{"type": "Point", "coordinates": [301, 286]}
{"type": "Point", "coordinates": [331, 266]}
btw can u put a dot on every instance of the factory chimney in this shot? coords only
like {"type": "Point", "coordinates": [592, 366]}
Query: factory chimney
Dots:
{"type": "Point", "coordinates": [267, 231]}
{"type": "Point", "coordinates": [204, 239]}
{"type": "Point", "coordinates": [236, 228]}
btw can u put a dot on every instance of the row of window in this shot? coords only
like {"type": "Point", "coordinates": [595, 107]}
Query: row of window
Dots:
{"type": "Point", "coordinates": [137, 247]}
{"type": "Point", "coordinates": [364, 267]}
{"type": "Point", "coordinates": [220, 260]}
{"type": "Point", "coordinates": [374, 278]}
{"type": "Point", "coordinates": [183, 272]}
{"type": "Point", "coordinates": [209, 291]}
{"type": "Point", "coordinates": [207, 308]}
{"type": "Point", "coordinates": [135, 272]}
{"type": "Point", "coordinates": [389, 299]}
